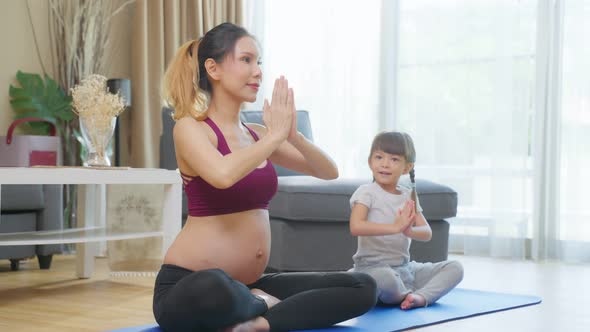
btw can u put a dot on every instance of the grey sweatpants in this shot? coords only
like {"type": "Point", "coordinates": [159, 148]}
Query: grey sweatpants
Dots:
{"type": "Point", "coordinates": [431, 280]}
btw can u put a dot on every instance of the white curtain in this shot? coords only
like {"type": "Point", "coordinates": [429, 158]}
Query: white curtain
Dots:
{"type": "Point", "coordinates": [465, 87]}
{"type": "Point", "coordinates": [546, 140]}
{"type": "Point", "coordinates": [493, 93]}
{"type": "Point", "coordinates": [573, 217]}
{"type": "Point", "coordinates": [329, 52]}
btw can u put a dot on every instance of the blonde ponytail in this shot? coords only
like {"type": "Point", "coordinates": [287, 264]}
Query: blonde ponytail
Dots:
{"type": "Point", "coordinates": [180, 86]}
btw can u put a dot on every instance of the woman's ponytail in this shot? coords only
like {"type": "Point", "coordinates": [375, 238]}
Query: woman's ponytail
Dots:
{"type": "Point", "coordinates": [180, 88]}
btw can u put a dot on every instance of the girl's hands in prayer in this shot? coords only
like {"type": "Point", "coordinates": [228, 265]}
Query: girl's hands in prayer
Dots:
{"type": "Point", "coordinates": [405, 217]}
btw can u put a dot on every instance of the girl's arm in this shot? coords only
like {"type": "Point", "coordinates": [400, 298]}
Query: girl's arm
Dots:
{"type": "Point", "coordinates": [360, 226]}
{"type": "Point", "coordinates": [420, 231]}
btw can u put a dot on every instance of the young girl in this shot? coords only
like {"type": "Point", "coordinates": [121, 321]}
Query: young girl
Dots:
{"type": "Point", "coordinates": [385, 217]}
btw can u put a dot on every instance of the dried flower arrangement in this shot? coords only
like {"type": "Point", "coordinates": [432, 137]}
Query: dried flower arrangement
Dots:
{"type": "Point", "coordinates": [92, 96]}
{"type": "Point", "coordinates": [97, 109]}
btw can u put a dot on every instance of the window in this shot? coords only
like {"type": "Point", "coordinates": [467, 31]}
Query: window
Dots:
{"type": "Point", "coordinates": [575, 131]}
{"type": "Point", "coordinates": [329, 52]}
{"type": "Point", "coordinates": [465, 79]}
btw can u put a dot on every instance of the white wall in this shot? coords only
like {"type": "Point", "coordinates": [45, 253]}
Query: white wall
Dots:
{"type": "Point", "coordinates": [18, 47]}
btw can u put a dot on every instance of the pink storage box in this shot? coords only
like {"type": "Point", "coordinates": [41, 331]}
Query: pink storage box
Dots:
{"type": "Point", "coordinates": [29, 150]}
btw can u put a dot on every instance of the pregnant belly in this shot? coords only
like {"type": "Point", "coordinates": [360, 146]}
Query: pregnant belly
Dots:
{"type": "Point", "coordinates": [239, 245]}
{"type": "Point", "coordinates": [246, 264]}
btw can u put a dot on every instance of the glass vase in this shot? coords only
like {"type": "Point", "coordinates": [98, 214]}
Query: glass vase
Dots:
{"type": "Point", "coordinates": [97, 131]}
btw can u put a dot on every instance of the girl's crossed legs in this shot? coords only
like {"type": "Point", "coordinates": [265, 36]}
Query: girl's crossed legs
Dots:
{"type": "Point", "coordinates": [415, 284]}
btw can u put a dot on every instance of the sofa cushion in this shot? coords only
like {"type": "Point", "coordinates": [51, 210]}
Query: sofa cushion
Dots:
{"type": "Point", "coordinates": [20, 198]}
{"type": "Point", "coordinates": [329, 246]}
{"type": "Point", "coordinates": [18, 222]}
{"type": "Point", "coordinates": [308, 198]}
{"type": "Point", "coordinates": [167, 152]}
{"type": "Point", "coordinates": [437, 200]}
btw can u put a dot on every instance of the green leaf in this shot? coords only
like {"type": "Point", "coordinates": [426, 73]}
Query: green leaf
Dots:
{"type": "Point", "coordinates": [34, 128]}
{"type": "Point", "coordinates": [23, 104]}
{"type": "Point", "coordinates": [40, 128]}
{"type": "Point", "coordinates": [66, 114]}
{"type": "Point", "coordinates": [15, 92]}
{"type": "Point", "coordinates": [41, 98]}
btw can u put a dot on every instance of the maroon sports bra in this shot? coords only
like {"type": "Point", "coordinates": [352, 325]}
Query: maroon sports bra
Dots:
{"type": "Point", "coordinates": [254, 191]}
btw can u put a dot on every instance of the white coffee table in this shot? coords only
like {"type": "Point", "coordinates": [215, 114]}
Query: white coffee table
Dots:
{"type": "Point", "coordinates": [92, 207]}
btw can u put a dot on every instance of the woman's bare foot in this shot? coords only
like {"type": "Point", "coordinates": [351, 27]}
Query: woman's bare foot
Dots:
{"type": "Point", "coordinates": [270, 300]}
{"type": "Point", "coordinates": [257, 324]}
{"type": "Point", "coordinates": [413, 301]}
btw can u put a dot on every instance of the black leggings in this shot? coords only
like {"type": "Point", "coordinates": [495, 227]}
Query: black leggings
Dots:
{"type": "Point", "coordinates": [209, 300]}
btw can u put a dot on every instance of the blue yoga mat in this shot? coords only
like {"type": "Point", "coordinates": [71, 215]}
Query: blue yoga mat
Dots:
{"type": "Point", "coordinates": [459, 303]}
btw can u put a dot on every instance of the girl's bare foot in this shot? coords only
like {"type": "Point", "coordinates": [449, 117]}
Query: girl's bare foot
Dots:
{"type": "Point", "coordinates": [270, 300]}
{"type": "Point", "coordinates": [413, 301]}
{"type": "Point", "coordinates": [257, 324]}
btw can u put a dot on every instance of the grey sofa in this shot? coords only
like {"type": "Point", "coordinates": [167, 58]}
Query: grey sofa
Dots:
{"type": "Point", "coordinates": [309, 216]}
{"type": "Point", "coordinates": [27, 208]}
{"type": "Point", "coordinates": [310, 223]}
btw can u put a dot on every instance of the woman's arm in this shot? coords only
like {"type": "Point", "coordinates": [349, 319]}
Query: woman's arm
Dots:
{"type": "Point", "coordinates": [194, 149]}
{"type": "Point", "coordinates": [360, 226]}
{"type": "Point", "coordinates": [297, 152]}
{"type": "Point", "coordinates": [420, 231]}
{"type": "Point", "coordinates": [301, 155]}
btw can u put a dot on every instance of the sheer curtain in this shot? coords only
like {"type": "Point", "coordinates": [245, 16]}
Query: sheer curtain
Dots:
{"type": "Point", "coordinates": [159, 28]}
{"type": "Point", "coordinates": [496, 99]}
{"type": "Point", "coordinates": [493, 93]}
{"type": "Point", "coordinates": [329, 52]}
{"type": "Point", "coordinates": [574, 210]}
{"type": "Point", "coordinates": [465, 88]}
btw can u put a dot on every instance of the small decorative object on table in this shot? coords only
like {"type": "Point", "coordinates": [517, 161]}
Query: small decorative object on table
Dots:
{"type": "Point", "coordinates": [97, 111]}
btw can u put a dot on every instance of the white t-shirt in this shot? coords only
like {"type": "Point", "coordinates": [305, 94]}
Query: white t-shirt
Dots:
{"type": "Point", "coordinates": [390, 250]}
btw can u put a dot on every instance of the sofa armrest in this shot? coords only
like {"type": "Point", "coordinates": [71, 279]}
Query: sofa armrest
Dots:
{"type": "Point", "coordinates": [303, 126]}
{"type": "Point", "coordinates": [19, 198]}
{"type": "Point", "coordinates": [52, 216]}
